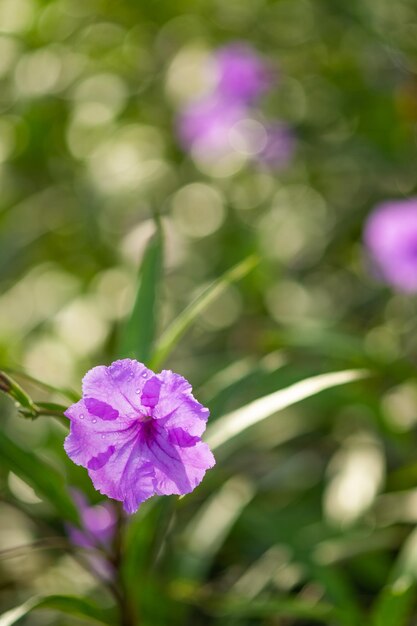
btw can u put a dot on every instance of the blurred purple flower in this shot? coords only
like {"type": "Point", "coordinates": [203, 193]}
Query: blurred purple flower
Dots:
{"type": "Point", "coordinates": [98, 523]}
{"type": "Point", "coordinates": [205, 125]}
{"type": "Point", "coordinates": [98, 528]}
{"type": "Point", "coordinates": [138, 433]}
{"type": "Point", "coordinates": [391, 238]}
{"type": "Point", "coordinates": [226, 121]}
{"type": "Point", "coordinates": [279, 146]}
{"type": "Point", "coordinates": [242, 75]}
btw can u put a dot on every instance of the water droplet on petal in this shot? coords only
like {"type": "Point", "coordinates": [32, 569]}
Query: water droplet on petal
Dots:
{"type": "Point", "coordinates": [94, 421]}
{"type": "Point", "coordinates": [102, 436]}
{"type": "Point", "coordinates": [137, 391]}
{"type": "Point", "coordinates": [144, 375]}
{"type": "Point", "coordinates": [81, 417]}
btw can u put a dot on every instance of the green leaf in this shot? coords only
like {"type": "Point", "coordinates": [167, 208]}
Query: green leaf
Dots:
{"type": "Point", "coordinates": [395, 603]}
{"type": "Point", "coordinates": [320, 612]}
{"type": "Point", "coordinates": [202, 538]}
{"type": "Point", "coordinates": [340, 591]}
{"type": "Point", "coordinates": [138, 540]}
{"type": "Point", "coordinates": [317, 612]}
{"type": "Point", "coordinates": [44, 478]}
{"type": "Point", "coordinates": [71, 605]}
{"type": "Point", "coordinates": [139, 332]}
{"type": "Point", "coordinates": [233, 424]}
{"type": "Point", "coordinates": [180, 325]}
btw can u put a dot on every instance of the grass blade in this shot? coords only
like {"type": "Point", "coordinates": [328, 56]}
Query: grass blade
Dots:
{"type": "Point", "coordinates": [207, 531]}
{"type": "Point", "coordinates": [234, 423]}
{"type": "Point", "coordinates": [228, 606]}
{"type": "Point", "coordinates": [180, 325]}
{"type": "Point", "coordinates": [71, 605]}
{"type": "Point", "coordinates": [396, 601]}
{"type": "Point", "coordinates": [291, 608]}
{"type": "Point", "coordinates": [340, 591]}
{"type": "Point", "coordinates": [139, 332]}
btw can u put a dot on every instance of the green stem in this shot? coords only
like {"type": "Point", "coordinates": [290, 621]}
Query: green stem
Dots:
{"type": "Point", "coordinates": [70, 394]}
{"type": "Point", "coordinates": [127, 618]}
{"type": "Point", "coordinates": [54, 542]}
{"type": "Point", "coordinates": [163, 524]}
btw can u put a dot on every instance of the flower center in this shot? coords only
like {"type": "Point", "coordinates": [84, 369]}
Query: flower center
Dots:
{"type": "Point", "coordinates": [144, 418]}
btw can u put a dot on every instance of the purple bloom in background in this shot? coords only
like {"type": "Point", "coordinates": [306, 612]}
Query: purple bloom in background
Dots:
{"type": "Point", "coordinates": [98, 527]}
{"type": "Point", "coordinates": [138, 433]}
{"type": "Point", "coordinates": [98, 523]}
{"type": "Point", "coordinates": [205, 125]}
{"type": "Point", "coordinates": [391, 238]}
{"type": "Point", "coordinates": [226, 121]}
{"type": "Point", "coordinates": [279, 146]}
{"type": "Point", "coordinates": [242, 75]}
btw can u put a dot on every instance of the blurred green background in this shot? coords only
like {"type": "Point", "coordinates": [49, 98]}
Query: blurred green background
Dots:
{"type": "Point", "coordinates": [319, 504]}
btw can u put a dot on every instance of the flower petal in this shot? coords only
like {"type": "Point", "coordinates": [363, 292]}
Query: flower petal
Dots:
{"type": "Point", "coordinates": [90, 436]}
{"type": "Point", "coordinates": [99, 461]}
{"type": "Point", "coordinates": [178, 437]}
{"type": "Point", "coordinates": [178, 469]}
{"type": "Point", "coordinates": [98, 522]}
{"type": "Point", "coordinates": [151, 391]}
{"type": "Point", "coordinates": [127, 475]}
{"type": "Point", "coordinates": [177, 407]}
{"type": "Point", "coordinates": [101, 409]}
{"type": "Point", "coordinates": [119, 385]}
{"type": "Point", "coordinates": [79, 537]}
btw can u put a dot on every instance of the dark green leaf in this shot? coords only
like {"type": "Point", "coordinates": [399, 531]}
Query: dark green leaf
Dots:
{"type": "Point", "coordinates": [44, 478]}
{"type": "Point", "coordinates": [341, 593]}
{"type": "Point", "coordinates": [320, 612]}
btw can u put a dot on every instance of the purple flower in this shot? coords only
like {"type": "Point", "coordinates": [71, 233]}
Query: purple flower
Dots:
{"type": "Point", "coordinates": [279, 146]}
{"type": "Point", "coordinates": [98, 528]}
{"type": "Point", "coordinates": [225, 121]}
{"type": "Point", "coordinates": [138, 433]}
{"type": "Point", "coordinates": [242, 75]}
{"type": "Point", "coordinates": [391, 238]}
{"type": "Point", "coordinates": [98, 523]}
{"type": "Point", "coordinates": [205, 126]}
